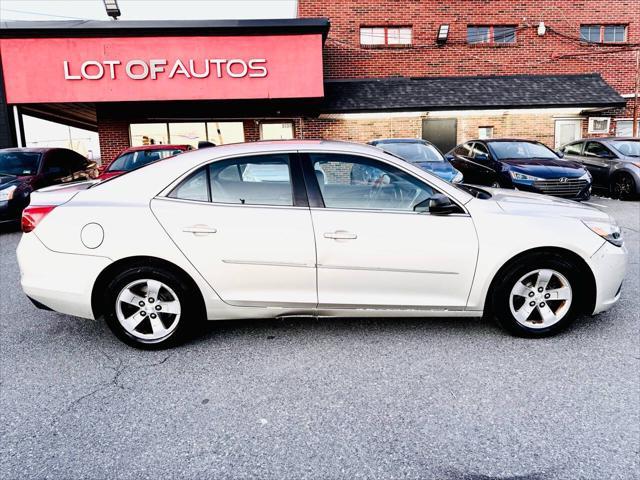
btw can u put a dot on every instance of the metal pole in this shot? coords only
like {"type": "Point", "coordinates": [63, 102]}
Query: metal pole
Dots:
{"type": "Point", "coordinates": [18, 123]}
{"type": "Point", "coordinates": [635, 103]}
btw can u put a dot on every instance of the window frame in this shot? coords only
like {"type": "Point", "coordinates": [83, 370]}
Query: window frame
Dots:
{"type": "Point", "coordinates": [316, 200]}
{"type": "Point", "coordinates": [590, 125]}
{"type": "Point", "coordinates": [385, 43]}
{"type": "Point", "coordinates": [298, 191]}
{"type": "Point", "coordinates": [491, 35]}
{"type": "Point", "coordinates": [601, 27]}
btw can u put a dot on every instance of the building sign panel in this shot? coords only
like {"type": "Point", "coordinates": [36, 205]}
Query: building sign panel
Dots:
{"type": "Point", "coordinates": [161, 68]}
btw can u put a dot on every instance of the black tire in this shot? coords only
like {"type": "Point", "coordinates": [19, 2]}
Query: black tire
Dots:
{"type": "Point", "coordinates": [623, 186]}
{"type": "Point", "coordinates": [191, 313]}
{"type": "Point", "coordinates": [500, 295]}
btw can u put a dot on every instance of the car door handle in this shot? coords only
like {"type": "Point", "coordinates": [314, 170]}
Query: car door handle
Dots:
{"type": "Point", "coordinates": [341, 235]}
{"type": "Point", "coordinates": [199, 230]}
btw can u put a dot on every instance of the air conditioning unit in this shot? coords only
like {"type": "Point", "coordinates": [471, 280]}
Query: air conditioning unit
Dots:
{"type": "Point", "coordinates": [599, 124]}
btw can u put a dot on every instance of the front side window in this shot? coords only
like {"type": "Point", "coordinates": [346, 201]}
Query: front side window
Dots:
{"type": "Point", "coordinates": [596, 149]}
{"type": "Point", "coordinates": [19, 163]}
{"type": "Point", "coordinates": [390, 35]}
{"type": "Point", "coordinates": [480, 152]}
{"type": "Point", "coordinates": [353, 182]}
{"type": "Point", "coordinates": [518, 150]}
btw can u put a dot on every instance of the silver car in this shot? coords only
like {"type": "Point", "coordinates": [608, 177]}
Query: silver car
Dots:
{"type": "Point", "coordinates": [614, 163]}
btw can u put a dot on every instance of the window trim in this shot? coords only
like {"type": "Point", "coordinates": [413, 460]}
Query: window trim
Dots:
{"type": "Point", "coordinates": [601, 33]}
{"type": "Point", "coordinates": [592, 120]}
{"type": "Point", "coordinates": [491, 41]}
{"type": "Point", "coordinates": [386, 43]}
{"type": "Point", "coordinates": [316, 200]}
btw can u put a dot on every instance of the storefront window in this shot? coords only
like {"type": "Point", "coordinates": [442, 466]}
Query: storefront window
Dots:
{"type": "Point", "coordinates": [149, 134]}
{"type": "Point", "coordinates": [222, 133]}
{"type": "Point", "coordinates": [276, 131]}
{"type": "Point", "coordinates": [187, 133]}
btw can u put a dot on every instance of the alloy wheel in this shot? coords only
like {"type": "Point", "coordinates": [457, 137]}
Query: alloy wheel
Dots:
{"type": "Point", "coordinates": [540, 298]}
{"type": "Point", "coordinates": [148, 310]}
{"type": "Point", "coordinates": [623, 186]}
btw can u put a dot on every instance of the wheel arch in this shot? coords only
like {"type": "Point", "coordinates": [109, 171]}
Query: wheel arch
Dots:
{"type": "Point", "coordinates": [112, 269]}
{"type": "Point", "coordinates": [589, 282]}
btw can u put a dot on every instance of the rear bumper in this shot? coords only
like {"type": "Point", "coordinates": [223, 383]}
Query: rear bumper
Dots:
{"type": "Point", "coordinates": [58, 281]}
{"type": "Point", "coordinates": [609, 266]}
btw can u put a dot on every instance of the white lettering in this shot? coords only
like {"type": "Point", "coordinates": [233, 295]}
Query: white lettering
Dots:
{"type": "Point", "coordinates": [156, 67]}
{"type": "Point", "coordinates": [236, 61]}
{"type": "Point", "coordinates": [92, 63]}
{"type": "Point", "coordinates": [112, 67]}
{"type": "Point", "coordinates": [67, 74]}
{"type": "Point", "coordinates": [192, 69]}
{"type": "Point", "coordinates": [137, 76]}
{"type": "Point", "coordinates": [218, 62]}
{"type": "Point", "coordinates": [254, 67]}
{"type": "Point", "coordinates": [179, 68]}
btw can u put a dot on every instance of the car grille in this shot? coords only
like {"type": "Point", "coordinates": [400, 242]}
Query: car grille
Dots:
{"type": "Point", "coordinates": [571, 187]}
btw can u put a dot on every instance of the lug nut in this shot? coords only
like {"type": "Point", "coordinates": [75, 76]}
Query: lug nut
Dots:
{"type": "Point", "coordinates": [540, 289]}
{"type": "Point", "coordinates": [158, 307]}
{"type": "Point", "coordinates": [141, 303]}
{"type": "Point", "coordinates": [531, 294]}
{"type": "Point", "coordinates": [143, 313]}
{"type": "Point", "coordinates": [542, 304]}
{"type": "Point", "coordinates": [547, 295]}
{"type": "Point", "coordinates": [153, 315]}
{"type": "Point", "coordinates": [532, 304]}
{"type": "Point", "coordinates": [151, 300]}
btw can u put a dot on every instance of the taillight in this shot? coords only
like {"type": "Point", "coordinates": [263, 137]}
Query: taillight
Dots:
{"type": "Point", "coordinates": [32, 216]}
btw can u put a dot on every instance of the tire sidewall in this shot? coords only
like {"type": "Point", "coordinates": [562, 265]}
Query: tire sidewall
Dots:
{"type": "Point", "coordinates": [115, 286]}
{"type": "Point", "coordinates": [502, 293]}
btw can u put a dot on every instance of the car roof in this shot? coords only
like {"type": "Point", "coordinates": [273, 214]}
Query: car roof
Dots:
{"type": "Point", "coordinates": [494, 140]}
{"type": "Point", "coordinates": [398, 140]}
{"type": "Point", "coordinates": [35, 149]}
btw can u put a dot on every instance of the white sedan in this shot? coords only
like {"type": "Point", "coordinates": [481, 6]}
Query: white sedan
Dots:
{"type": "Point", "coordinates": [276, 229]}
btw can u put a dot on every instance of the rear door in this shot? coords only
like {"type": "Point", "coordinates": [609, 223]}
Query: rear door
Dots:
{"type": "Point", "coordinates": [244, 223]}
{"type": "Point", "coordinates": [374, 250]}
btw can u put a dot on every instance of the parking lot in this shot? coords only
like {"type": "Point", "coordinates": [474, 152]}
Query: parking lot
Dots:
{"type": "Point", "coordinates": [315, 398]}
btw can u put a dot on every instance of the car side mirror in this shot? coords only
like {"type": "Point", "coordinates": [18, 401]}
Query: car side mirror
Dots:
{"type": "Point", "coordinates": [560, 154]}
{"type": "Point", "coordinates": [439, 204]}
{"type": "Point", "coordinates": [449, 156]}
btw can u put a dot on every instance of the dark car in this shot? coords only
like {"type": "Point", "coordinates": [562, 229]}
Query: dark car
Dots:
{"type": "Point", "coordinates": [134, 157]}
{"type": "Point", "coordinates": [521, 164]}
{"type": "Point", "coordinates": [614, 163]}
{"type": "Point", "coordinates": [23, 170]}
{"type": "Point", "coordinates": [422, 154]}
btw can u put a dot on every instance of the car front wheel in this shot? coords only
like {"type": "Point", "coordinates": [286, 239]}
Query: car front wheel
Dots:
{"type": "Point", "coordinates": [538, 296]}
{"type": "Point", "coordinates": [149, 308]}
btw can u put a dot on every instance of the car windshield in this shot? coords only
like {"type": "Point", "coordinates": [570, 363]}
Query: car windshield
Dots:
{"type": "Point", "coordinates": [19, 163]}
{"type": "Point", "coordinates": [524, 150]}
{"type": "Point", "coordinates": [628, 148]}
{"type": "Point", "coordinates": [413, 152]}
{"type": "Point", "coordinates": [131, 160]}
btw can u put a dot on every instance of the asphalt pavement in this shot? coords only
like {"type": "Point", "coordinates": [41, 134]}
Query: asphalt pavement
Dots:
{"type": "Point", "coordinates": [309, 398]}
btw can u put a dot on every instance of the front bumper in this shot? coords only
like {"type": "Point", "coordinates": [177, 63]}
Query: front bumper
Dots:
{"type": "Point", "coordinates": [60, 281]}
{"type": "Point", "coordinates": [609, 265]}
{"type": "Point", "coordinates": [570, 190]}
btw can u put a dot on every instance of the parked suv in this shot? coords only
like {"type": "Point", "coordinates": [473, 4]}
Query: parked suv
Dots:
{"type": "Point", "coordinates": [614, 163]}
{"type": "Point", "coordinates": [23, 170]}
{"type": "Point", "coordinates": [521, 164]}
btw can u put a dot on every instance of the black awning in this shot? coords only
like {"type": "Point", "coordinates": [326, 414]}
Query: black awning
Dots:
{"type": "Point", "coordinates": [466, 93]}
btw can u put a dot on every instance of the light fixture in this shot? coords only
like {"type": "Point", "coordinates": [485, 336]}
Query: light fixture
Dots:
{"type": "Point", "coordinates": [111, 6]}
{"type": "Point", "coordinates": [542, 29]}
{"type": "Point", "coordinates": [443, 34]}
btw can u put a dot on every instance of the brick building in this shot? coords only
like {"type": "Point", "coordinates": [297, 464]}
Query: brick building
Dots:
{"type": "Point", "coordinates": [355, 70]}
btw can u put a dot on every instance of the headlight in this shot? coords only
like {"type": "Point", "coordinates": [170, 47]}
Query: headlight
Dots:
{"type": "Point", "coordinates": [586, 176]}
{"type": "Point", "coordinates": [609, 231]}
{"type": "Point", "coordinates": [7, 193]}
{"type": "Point", "coordinates": [522, 176]}
{"type": "Point", "coordinates": [457, 178]}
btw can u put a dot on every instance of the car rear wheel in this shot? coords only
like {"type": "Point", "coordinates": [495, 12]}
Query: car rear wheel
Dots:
{"type": "Point", "coordinates": [537, 296]}
{"type": "Point", "coordinates": [149, 308]}
{"type": "Point", "coordinates": [623, 186]}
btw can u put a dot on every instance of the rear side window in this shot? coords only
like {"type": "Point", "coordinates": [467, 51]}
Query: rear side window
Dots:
{"type": "Point", "coordinates": [573, 149]}
{"type": "Point", "coordinates": [255, 180]}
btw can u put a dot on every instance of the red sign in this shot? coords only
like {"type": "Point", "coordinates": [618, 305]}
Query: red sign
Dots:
{"type": "Point", "coordinates": [161, 68]}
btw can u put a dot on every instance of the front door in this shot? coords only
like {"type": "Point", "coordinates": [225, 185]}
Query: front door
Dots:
{"type": "Point", "coordinates": [374, 250]}
{"type": "Point", "coordinates": [239, 225]}
{"type": "Point", "coordinates": [567, 131]}
{"type": "Point", "coordinates": [442, 132]}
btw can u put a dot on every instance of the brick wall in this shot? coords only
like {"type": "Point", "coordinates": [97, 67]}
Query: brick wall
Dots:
{"type": "Point", "coordinates": [532, 54]}
{"type": "Point", "coordinates": [113, 136]}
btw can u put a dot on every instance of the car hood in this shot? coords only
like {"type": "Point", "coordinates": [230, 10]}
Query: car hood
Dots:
{"type": "Point", "coordinates": [534, 204]}
{"type": "Point", "coordinates": [546, 167]}
{"type": "Point", "coordinates": [444, 170]}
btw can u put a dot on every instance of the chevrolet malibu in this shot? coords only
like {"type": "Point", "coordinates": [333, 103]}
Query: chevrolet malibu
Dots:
{"type": "Point", "coordinates": [275, 229]}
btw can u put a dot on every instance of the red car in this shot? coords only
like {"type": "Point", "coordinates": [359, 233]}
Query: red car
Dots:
{"type": "Point", "coordinates": [134, 157]}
